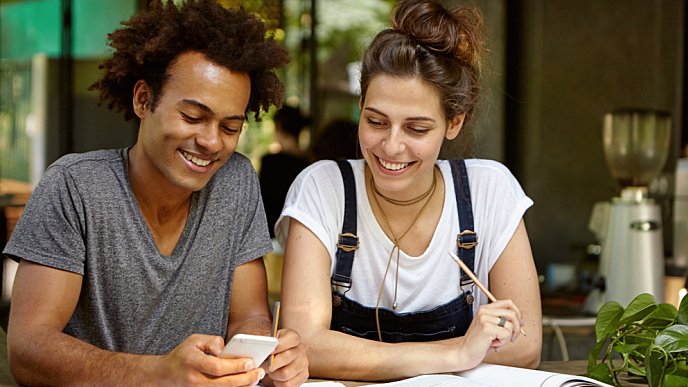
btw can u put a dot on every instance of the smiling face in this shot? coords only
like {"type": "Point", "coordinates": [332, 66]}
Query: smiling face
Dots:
{"type": "Point", "coordinates": [401, 131]}
{"type": "Point", "coordinates": [195, 126]}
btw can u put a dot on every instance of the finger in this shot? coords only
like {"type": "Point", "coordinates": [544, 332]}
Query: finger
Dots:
{"type": "Point", "coordinates": [282, 359]}
{"type": "Point", "coordinates": [208, 343]}
{"type": "Point", "coordinates": [500, 309]}
{"type": "Point", "coordinates": [216, 366]}
{"type": "Point", "coordinates": [503, 336]}
{"type": "Point", "coordinates": [506, 305]}
{"type": "Point", "coordinates": [288, 338]}
{"type": "Point", "coordinates": [510, 324]}
{"type": "Point", "coordinates": [513, 332]}
{"type": "Point", "coordinates": [247, 379]}
{"type": "Point", "coordinates": [288, 364]}
{"type": "Point", "coordinates": [517, 313]}
{"type": "Point", "coordinates": [296, 381]}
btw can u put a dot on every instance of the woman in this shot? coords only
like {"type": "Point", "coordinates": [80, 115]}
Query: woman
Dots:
{"type": "Point", "coordinates": [392, 303]}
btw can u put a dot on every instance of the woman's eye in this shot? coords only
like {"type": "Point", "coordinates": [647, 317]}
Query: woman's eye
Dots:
{"type": "Point", "coordinates": [374, 123]}
{"type": "Point", "coordinates": [419, 131]}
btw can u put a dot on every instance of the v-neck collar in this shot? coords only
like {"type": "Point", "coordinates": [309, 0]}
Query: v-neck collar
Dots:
{"type": "Point", "coordinates": [190, 219]}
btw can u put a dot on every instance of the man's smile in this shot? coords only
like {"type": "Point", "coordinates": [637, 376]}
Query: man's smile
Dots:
{"type": "Point", "coordinates": [195, 160]}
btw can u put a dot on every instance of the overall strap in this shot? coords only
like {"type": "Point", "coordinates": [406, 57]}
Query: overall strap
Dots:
{"type": "Point", "coordinates": [347, 243]}
{"type": "Point", "coordinates": [467, 238]}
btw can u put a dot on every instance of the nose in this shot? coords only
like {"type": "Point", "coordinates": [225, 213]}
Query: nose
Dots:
{"type": "Point", "coordinates": [393, 143]}
{"type": "Point", "coordinates": [209, 138]}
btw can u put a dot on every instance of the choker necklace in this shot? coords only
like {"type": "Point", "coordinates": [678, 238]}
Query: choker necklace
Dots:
{"type": "Point", "coordinates": [410, 201]}
{"type": "Point", "coordinates": [396, 240]}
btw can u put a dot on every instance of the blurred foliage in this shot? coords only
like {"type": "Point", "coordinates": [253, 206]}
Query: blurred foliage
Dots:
{"type": "Point", "coordinates": [356, 21]}
{"type": "Point", "coordinates": [268, 10]}
{"type": "Point", "coordinates": [338, 22]}
{"type": "Point", "coordinates": [341, 25]}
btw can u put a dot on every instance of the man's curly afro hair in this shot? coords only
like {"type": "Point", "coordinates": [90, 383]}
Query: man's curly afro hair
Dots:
{"type": "Point", "coordinates": [152, 40]}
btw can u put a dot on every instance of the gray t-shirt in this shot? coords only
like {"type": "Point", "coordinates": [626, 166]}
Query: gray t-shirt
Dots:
{"type": "Point", "coordinates": [83, 218]}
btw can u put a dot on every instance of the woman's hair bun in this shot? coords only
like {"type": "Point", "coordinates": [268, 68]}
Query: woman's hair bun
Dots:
{"type": "Point", "coordinates": [454, 32]}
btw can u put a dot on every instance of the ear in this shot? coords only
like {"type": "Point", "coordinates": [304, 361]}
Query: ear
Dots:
{"type": "Point", "coordinates": [360, 104]}
{"type": "Point", "coordinates": [142, 95]}
{"type": "Point", "coordinates": [454, 126]}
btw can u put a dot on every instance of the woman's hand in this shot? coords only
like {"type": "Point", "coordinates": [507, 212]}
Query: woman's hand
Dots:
{"type": "Point", "coordinates": [485, 335]}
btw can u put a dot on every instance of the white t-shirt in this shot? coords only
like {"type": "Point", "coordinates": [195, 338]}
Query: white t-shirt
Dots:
{"type": "Point", "coordinates": [316, 199]}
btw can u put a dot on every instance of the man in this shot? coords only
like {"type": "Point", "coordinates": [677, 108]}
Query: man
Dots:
{"type": "Point", "coordinates": [137, 264]}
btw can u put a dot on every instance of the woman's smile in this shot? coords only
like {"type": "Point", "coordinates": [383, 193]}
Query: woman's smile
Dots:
{"type": "Point", "coordinates": [392, 165]}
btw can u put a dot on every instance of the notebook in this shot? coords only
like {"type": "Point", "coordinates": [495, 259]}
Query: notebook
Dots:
{"type": "Point", "coordinates": [489, 375]}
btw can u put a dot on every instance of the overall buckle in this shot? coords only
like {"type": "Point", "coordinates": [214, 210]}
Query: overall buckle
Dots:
{"type": "Point", "coordinates": [471, 239]}
{"type": "Point", "coordinates": [347, 242]}
{"type": "Point", "coordinates": [341, 281]}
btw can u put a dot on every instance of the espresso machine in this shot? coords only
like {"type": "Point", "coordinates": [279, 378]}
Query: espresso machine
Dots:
{"type": "Point", "coordinates": [629, 228]}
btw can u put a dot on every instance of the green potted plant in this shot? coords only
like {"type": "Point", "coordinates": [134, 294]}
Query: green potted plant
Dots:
{"type": "Point", "coordinates": [651, 338]}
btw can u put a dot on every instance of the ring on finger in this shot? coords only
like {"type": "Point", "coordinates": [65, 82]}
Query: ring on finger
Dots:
{"type": "Point", "coordinates": [502, 321]}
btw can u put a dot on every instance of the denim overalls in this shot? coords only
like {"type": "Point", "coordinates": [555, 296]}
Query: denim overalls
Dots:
{"type": "Point", "coordinates": [445, 321]}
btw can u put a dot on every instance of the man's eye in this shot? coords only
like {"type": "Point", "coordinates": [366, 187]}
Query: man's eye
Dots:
{"type": "Point", "coordinates": [189, 118]}
{"type": "Point", "coordinates": [231, 130]}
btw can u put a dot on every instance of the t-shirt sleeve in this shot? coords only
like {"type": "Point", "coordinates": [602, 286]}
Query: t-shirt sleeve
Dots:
{"type": "Point", "coordinates": [499, 208]}
{"type": "Point", "coordinates": [51, 228]}
{"type": "Point", "coordinates": [315, 200]}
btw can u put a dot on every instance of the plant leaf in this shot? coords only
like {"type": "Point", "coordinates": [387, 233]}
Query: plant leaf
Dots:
{"type": "Point", "coordinates": [683, 312]}
{"type": "Point", "coordinates": [608, 320]}
{"type": "Point", "coordinates": [675, 381]}
{"type": "Point", "coordinates": [639, 308]}
{"type": "Point", "coordinates": [592, 357]}
{"type": "Point", "coordinates": [662, 317]}
{"type": "Point", "coordinates": [632, 339]}
{"type": "Point", "coordinates": [637, 372]}
{"type": "Point", "coordinates": [643, 335]}
{"type": "Point", "coordinates": [681, 370]}
{"type": "Point", "coordinates": [639, 354]}
{"type": "Point", "coordinates": [602, 373]}
{"type": "Point", "coordinates": [626, 348]}
{"type": "Point", "coordinates": [654, 367]}
{"type": "Point", "coordinates": [673, 339]}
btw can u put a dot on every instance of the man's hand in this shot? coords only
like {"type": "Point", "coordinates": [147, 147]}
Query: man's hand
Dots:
{"type": "Point", "coordinates": [290, 367]}
{"type": "Point", "coordinates": [189, 364]}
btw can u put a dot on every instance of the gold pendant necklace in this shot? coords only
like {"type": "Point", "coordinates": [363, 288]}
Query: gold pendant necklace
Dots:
{"type": "Point", "coordinates": [429, 193]}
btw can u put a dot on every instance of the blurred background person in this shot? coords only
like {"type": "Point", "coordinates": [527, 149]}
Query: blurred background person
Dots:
{"type": "Point", "coordinates": [279, 170]}
{"type": "Point", "coordinates": [335, 141]}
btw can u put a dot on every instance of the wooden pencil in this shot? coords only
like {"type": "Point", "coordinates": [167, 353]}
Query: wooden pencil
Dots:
{"type": "Point", "coordinates": [476, 280]}
{"type": "Point", "coordinates": [275, 325]}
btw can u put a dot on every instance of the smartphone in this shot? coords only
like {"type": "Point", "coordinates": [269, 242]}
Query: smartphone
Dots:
{"type": "Point", "coordinates": [249, 346]}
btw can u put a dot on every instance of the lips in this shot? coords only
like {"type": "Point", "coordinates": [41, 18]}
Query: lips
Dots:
{"type": "Point", "coordinates": [196, 160]}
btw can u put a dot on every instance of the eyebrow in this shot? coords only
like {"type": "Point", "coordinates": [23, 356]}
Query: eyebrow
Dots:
{"type": "Point", "coordinates": [209, 110]}
{"type": "Point", "coordinates": [421, 118]}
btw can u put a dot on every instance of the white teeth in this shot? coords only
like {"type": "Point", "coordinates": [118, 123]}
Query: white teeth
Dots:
{"type": "Point", "coordinates": [195, 160]}
{"type": "Point", "coordinates": [393, 166]}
